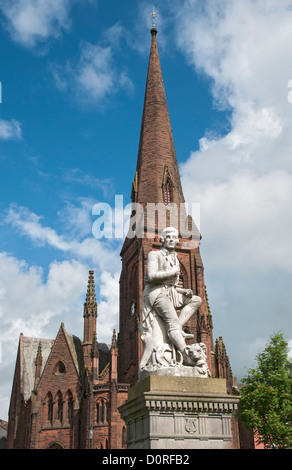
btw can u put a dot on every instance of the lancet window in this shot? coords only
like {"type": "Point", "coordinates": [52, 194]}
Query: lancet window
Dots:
{"type": "Point", "coordinates": [168, 191]}
{"type": "Point", "coordinates": [49, 407]}
{"type": "Point", "coordinates": [102, 411]}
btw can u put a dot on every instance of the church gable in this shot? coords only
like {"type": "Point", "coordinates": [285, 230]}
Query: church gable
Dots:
{"type": "Point", "coordinates": [63, 368]}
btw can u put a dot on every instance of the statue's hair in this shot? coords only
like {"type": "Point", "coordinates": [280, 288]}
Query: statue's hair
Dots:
{"type": "Point", "coordinates": [166, 230]}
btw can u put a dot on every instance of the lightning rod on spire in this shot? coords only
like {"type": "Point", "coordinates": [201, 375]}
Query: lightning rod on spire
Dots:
{"type": "Point", "coordinates": [154, 15]}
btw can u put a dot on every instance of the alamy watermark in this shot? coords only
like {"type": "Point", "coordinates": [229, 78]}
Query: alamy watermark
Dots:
{"type": "Point", "coordinates": [136, 220]}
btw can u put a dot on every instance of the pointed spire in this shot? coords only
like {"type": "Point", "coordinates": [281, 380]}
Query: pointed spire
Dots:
{"type": "Point", "coordinates": [156, 155]}
{"type": "Point", "coordinates": [90, 305]}
{"type": "Point", "coordinates": [157, 178]}
{"type": "Point", "coordinates": [114, 340]}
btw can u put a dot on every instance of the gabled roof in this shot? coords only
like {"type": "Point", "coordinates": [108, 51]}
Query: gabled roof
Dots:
{"type": "Point", "coordinates": [28, 348]}
{"type": "Point", "coordinates": [28, 353]}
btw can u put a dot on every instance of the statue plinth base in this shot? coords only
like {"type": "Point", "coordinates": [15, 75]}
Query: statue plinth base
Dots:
{"type": "Point", "coordinates": [181, 371]}
{"type": "Point", "coordinates": [167, 412]}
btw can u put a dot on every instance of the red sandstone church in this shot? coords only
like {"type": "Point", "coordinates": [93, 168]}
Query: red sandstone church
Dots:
{"type": "Point", "coordinates": [66, 391]}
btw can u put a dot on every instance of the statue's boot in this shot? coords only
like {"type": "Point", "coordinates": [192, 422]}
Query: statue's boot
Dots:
{"type": "Point", "coordinates": [176, 336]}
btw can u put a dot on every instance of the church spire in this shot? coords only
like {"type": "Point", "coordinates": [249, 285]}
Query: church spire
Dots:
{"type": "Point", "coordinates": [157, 178]}
{"type": "Point", "coordinates": [157, 160]}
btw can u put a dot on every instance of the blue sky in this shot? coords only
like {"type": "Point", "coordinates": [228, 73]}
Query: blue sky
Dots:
{"type": "Point", "coordinates": [73, 79]}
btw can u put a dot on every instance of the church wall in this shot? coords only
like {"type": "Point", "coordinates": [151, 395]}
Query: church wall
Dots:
{"type": "Point", "coordinates": [61, 385]}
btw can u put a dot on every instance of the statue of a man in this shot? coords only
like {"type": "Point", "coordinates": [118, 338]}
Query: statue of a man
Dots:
{"type": "Point", "coordinates": [163, 297]}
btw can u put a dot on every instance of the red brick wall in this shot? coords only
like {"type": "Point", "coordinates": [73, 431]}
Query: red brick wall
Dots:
{"type": "Point", "coordinates": [66, 432]}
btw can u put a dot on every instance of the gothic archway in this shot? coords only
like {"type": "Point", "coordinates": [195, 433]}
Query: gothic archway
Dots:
{"type": "Point", "coordinates": [55, 445]}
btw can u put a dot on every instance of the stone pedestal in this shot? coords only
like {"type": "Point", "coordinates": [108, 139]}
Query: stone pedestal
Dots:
{"type": "Point", "coordinates": [165, 412]}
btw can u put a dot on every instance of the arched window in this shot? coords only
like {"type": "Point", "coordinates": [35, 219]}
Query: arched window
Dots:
{"type": "Point", "coordinates": [167, 191]}
{"type": "Point", "coordinates": [102, 411]}
{"type": "Point", "coordinates": [49, 407]}
{"type": "Point", "coordinates": [107, 412]}
{"type": "Point", "coordinates": [97, 412]}
{"type": "Point", "coordinates": [59, 407]}
{"type": "Point", "coordinates": [55, 445]}
{"type": "Point", "coordinates": [60, 368]}
{"type": "Point", "coordinates": [70, 405]}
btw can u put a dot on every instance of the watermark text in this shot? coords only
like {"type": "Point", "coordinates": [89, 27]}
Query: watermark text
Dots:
{"type": "Point", "coordinates": [143, 221]}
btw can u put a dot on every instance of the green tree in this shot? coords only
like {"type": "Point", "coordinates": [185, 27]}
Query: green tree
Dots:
{"type": "Point", "coordinates": [266, 396]}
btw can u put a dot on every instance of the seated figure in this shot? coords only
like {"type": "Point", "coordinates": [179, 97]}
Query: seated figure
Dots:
{"type": "Point", "coordinates": [162, 329]}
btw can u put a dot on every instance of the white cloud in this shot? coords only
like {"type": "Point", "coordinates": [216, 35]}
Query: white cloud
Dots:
{"type": "Point", "coordinates": [33, 304]}
{"type": "Point", "coordinates": [76, 220]}
{"type": "Point", "coordinates": [102, 253]}
{"type": "Point", "coordinates": [94, 76]}
{"type": "Point", "coordinates": [29, 302]}
{"type": "Point", "coordinates": [108, 308]}
{"type": "Point", "coordinates": [243, 179]}
{"type": "Point", "coordinates": [75, 175]}
{"type": "Point", "coordinates": [10, 130]}
{"type": "Point", "coordinates": [33, 21]}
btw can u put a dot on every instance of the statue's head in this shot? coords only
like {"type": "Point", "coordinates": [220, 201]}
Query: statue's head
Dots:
{"type": "Point", "coordinates": [169, 238]}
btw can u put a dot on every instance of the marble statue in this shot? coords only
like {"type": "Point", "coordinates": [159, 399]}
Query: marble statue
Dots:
{"type": "Point", "coordinates": [163, 338]}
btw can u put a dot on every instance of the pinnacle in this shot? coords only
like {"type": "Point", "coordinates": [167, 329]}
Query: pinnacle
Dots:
{"type": "Point", "coordinates": [90, 296]}
{"type": "Point", "coordinates": [114, 339]}
{"type": "Point", "coordinates": [39, 357]}
{"type": "Point", "coordinates": [90, 305]}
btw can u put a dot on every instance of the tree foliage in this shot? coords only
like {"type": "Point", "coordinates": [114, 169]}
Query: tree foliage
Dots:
{"type": "Point", "coordinates": [266, 396]}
